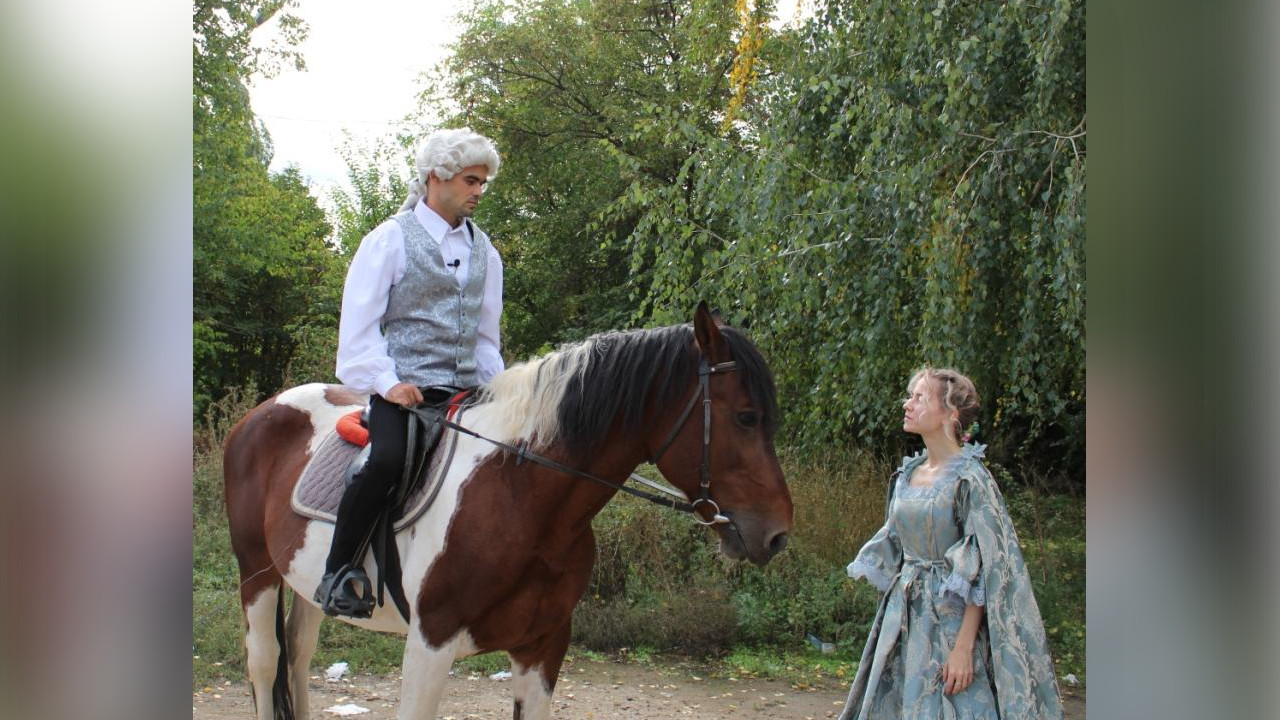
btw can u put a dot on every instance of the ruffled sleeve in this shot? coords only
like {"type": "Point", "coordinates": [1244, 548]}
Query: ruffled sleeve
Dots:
{"type": "Point", "coordinates": [965, 584]}
{"type": "Point", "coordinates": [879, 560]}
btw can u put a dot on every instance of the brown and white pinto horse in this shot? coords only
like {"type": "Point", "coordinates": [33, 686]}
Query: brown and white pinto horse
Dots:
{"type": "Point", "coordinates": [504, 554]}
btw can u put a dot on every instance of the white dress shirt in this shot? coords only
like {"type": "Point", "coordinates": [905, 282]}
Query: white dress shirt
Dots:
{"type": "Point", "coordinates": [379, 263]}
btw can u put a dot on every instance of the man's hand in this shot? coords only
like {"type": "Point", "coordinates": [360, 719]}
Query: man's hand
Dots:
{"type": "Point", "coordinates": [405, 395]}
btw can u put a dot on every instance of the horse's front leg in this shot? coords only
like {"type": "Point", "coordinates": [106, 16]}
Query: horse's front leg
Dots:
{"type": "Point", "coordinates": [425, 671]}
{"type": "Point", "coordinates": [534, 670]}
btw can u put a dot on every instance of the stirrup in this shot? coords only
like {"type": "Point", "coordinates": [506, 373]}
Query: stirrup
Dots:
{"type": "Point", "coordinates": [340, 593]}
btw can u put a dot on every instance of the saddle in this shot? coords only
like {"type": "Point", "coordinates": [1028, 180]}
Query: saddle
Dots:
{"type": "Point", "coordinates": [344, 450]}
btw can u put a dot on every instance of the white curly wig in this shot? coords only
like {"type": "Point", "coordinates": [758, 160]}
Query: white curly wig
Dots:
{"type": "Point", "coordinates": [445, 152]}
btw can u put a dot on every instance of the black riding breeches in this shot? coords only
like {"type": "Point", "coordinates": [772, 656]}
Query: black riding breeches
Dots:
{"type": "Point", "coordinates": [371, 486]}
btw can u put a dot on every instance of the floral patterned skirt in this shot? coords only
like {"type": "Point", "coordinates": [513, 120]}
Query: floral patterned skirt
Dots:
{"type": "Point", "coordinates": [908, 646]}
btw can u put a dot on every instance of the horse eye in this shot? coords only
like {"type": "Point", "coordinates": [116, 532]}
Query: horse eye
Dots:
{"type": "Point", "coordinates": [749, 419]}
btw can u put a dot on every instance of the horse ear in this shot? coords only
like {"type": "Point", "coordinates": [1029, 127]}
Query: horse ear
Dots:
{"type": "Point", "coordinates": [706, 332]}
{"type": "Point", "coordinates": [718, 318]}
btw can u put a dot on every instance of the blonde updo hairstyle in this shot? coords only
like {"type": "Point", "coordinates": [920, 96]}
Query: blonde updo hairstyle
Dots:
{"type": "Point", "coordinates": [445, 153]}
{"type": "Point", "coordinates": [957, 393]}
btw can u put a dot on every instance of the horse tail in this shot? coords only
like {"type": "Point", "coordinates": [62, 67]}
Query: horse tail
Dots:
{"type": "Point", "coordinates": [281, 700]}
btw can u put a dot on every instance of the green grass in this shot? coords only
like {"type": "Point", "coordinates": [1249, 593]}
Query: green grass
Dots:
{"type": "Point", "coordinates": [802, 667]}
{"type": "Point", "coordinates": [661, 590]}
{"type": "Point", "coordinates": [1051, 532]}
{"type": "Point", "coordinates": [576, 652]}
{"type": "Point", "coordinates": [484, 665]}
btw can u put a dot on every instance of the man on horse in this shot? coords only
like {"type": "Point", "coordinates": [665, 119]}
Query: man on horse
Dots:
{"type": "Point", "coordinates": [420, 312]}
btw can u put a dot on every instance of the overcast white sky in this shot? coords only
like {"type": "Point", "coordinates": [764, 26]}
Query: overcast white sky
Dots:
{"type": "Point", "coordinates": [364, 60]}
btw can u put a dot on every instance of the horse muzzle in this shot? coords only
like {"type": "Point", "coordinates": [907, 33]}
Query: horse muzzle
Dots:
{"type": "Point", "coordinates": [746, 537]}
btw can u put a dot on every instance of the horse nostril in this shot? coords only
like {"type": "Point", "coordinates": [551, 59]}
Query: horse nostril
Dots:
{"type": "Point", "coordinates": [778, 542]}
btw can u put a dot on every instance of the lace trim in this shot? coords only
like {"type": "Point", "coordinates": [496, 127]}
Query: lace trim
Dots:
{"type": "Point", "coordinates": [872, 574]}
{"type": "Point", "coordinates": [907, 460]}
{"type": "Point", "coordinates": [968, 452]}
{"type": "Point", "coordinates": [964, 591]}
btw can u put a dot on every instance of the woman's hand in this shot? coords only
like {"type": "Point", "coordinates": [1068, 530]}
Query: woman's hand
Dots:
{"type": "Point", "coordinates": [957, 672]}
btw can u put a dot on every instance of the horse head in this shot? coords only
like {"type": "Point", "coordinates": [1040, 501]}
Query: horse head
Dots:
{"type": "Point", "coordinates": [718, 448]}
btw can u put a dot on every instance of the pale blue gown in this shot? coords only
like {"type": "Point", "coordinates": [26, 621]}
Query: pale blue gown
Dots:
{"type": "Point", "coordinates": [928, 560]}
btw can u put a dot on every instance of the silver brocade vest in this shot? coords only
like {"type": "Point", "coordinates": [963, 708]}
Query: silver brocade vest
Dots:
{"type": "Point", "coordinates": [431, 322]}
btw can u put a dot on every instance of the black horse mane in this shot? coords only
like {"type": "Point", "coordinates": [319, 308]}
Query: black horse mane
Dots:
{"type": "Point", "coordinates": [614, 373]}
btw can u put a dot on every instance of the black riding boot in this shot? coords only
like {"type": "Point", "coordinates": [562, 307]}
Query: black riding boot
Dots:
{"type": "Point", "coordinates": [346, 588]}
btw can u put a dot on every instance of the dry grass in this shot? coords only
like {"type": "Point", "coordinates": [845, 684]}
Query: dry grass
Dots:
{"type": "Point", "coordinates": [839, 500]}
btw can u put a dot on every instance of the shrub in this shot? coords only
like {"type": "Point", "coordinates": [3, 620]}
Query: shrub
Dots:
{"type": "Point", "coordinates": [660, 582]}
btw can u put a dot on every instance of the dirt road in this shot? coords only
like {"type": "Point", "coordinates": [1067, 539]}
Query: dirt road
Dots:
{"type": "Point", "coordinates": [588, 690]}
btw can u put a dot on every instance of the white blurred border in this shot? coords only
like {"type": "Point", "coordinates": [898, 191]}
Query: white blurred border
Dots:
{"type": "Point", "coordinates": [98, 451]}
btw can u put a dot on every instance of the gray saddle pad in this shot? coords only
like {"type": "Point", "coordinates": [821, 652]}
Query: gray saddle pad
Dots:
{"type": "Point", "coordinates": [319, 490]}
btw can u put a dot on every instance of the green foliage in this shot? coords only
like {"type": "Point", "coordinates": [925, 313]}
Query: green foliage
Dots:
{"type": "Point", "coordinates": [699, 620]}
{"type": "Point", "coordinates": [800, 665]}
{"type": "Point", "coordinates": [485, 665]}
{"type": "Point", "coordinates": [379, 176]}
{"type": "Point", "coordinates": [896, 184]}
{"type": "Point", "coordinates": [578, 97]}
{"type": "Point", "coordinates": [216, 628]}
{"type": "Point", "coordinates": [265, 283]}
{"type": "Point", "coordinates": [1051, 531]}
{"type": "Point", "coordinates": [902, 192]}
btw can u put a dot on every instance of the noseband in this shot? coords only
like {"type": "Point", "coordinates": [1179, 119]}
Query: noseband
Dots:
{"type": "Point", "coordinates": [705, 371]}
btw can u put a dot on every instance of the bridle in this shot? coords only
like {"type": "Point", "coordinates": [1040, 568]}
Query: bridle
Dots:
{"type": "Point", "coordinates": [705, 371]}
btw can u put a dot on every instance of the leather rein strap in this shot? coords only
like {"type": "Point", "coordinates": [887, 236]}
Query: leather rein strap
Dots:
{"type": "Point", "coordinates": [705, 371]}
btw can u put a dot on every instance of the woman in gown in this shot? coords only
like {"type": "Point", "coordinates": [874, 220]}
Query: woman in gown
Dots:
{"type": "Point", "coordinates": [957, 633]}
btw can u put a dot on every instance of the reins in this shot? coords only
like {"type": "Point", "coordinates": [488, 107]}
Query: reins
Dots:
{"type": "Point", "coordinates": [705, 371]}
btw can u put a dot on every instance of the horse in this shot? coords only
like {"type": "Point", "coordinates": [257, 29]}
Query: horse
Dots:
{"type": "Point", "coordinates": [504, 553]}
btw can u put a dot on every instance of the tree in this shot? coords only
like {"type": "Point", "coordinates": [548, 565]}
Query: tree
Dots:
{"type": "Point", "coordinates": [263, 274]}
{"type": "Point", "coordinates": [579, 97]}
{"type": "Point", "coordinates": [379, 176]}
{"type": "Point", "coordinates": [892, 184]}
{"type": "Point", "coordinates": [906, 188]}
